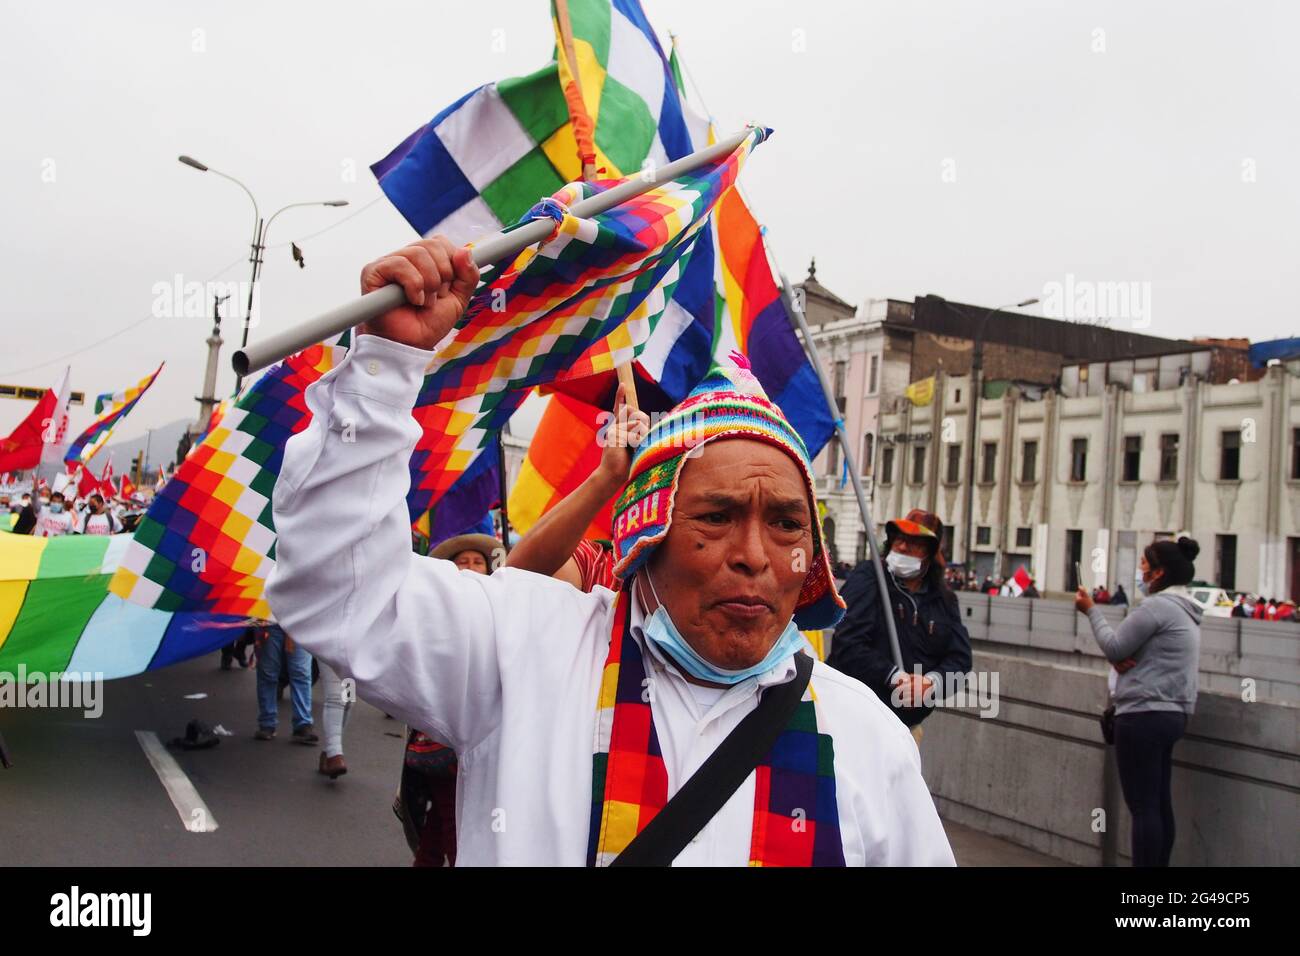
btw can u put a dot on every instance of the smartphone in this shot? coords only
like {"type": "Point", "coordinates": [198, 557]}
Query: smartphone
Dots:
{"type": "Point", "coordinates": [1078, 576]}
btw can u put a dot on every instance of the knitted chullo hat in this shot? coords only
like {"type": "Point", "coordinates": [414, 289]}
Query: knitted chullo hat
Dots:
{"type": "Point", "coordinates": [728, 403]}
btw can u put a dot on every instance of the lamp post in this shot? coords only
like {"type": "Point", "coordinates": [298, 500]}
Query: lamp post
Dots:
{"type": "Point", "coordinates": [972, 423]}
{"type": "Point", "coordinates": [258, 245]}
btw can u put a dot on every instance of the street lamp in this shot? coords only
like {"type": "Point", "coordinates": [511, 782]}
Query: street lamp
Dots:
{"type": "Point", "coordinates": [972, 424]}
{"type": "Point", "coordinates": [258, 245]}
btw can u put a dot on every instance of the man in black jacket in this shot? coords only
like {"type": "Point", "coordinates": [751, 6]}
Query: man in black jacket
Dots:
{"type": "Point", "coordinates": [931, 636]}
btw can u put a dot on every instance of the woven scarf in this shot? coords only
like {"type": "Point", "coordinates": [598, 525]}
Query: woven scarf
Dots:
{"type": "Point", "coordinates": [796, 819]}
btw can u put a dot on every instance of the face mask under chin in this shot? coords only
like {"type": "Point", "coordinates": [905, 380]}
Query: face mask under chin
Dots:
{"type": "Point", "coordinates": [660, 629]}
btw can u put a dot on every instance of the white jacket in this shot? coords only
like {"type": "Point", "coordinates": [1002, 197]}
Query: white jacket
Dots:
{"type": "Point", "coordinates": [506, 668]}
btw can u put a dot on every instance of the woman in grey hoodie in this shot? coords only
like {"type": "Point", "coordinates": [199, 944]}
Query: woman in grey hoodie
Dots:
{"type": "Point", "coordinates": [1156, 649]}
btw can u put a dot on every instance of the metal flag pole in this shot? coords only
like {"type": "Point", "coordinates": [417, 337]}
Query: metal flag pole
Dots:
{"type": "Point", "coordinates": [492, 249]}
{"type": "Point", "coordinates": [795, 311]}
{"type": "Point", "coordinates": [502, 483]}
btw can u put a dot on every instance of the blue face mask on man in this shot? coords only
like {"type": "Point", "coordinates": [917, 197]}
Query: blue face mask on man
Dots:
{"type": "Point", "coordinates": [659, 627]}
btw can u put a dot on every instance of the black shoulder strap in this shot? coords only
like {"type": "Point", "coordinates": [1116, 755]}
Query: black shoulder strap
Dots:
{"type": "Point", "coordinates": [701, 797]}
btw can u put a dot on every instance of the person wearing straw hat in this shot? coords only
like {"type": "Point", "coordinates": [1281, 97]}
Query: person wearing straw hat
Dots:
{"type": "Point", "coordinates": [931, 636]}
{"type": "Point", "coordinates": [674, 722]}
{"type": "Point", "coordinates": [481, 553]}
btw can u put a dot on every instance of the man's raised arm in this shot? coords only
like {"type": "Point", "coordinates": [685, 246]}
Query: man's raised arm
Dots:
{"type": "Point", "coordinates": [417, 635]}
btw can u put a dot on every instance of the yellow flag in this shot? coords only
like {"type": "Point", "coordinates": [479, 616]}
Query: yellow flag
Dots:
{"type": "Point", "coordinates": [922, 392]}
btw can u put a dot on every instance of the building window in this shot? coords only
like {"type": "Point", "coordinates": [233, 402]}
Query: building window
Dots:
{"type": "Point", "coordinates": [956, 396]}
{"type": "Point", "coordinates": [860, 553]}
{"type": "Point", "coordinates": [988, 471]}
{"type": "Point", "coordinates": [1225, 561]}
{"type": "Point", "coordinates": [1132, 457]}
{"type": "Point", "coordinates": [1024, 537]}
{"type": "Point", "coordinates": [1028, 461]}
{"type": "Point", "coordinates": [983, 535]}
{"type": "Point", "coordinates": [1073, 554]}
{"type": "Point", "coordinates": [1168, 457]}
{"type": "Point", "coordinates": [918, 464]}
{"type": "Point", "coordinates": [1295, 454]}
{"type": "Point", "coordinates": [1230, 455]}
{"type": "Point", "coordinates": [1079, 459]}
{"type": "Point", "coordinates": [868, 449]}
{"type": "Point", "coordinates": [841, 369]}
{"type": "Point", "coordinates": [953, 474]}
{"type": "Point", "coordinates": [886, 465]}
{"type": "Point", "coordinates": [832, 459]}
{"type": "Point", "coordinates": [873, 374]}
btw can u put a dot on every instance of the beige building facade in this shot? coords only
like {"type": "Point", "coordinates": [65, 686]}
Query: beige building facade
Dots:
{"type": "Point", "coordinates": [1066, 478]}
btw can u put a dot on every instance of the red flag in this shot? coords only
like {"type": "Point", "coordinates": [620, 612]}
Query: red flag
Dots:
{"type": "Point", "coordinates": [125, 488]}
{"type": "Point", "coordinates": [45, 425]}
{"type": "Point", "coordinates": [87, 483]}
{"type": "Point", "coordinates": [106, 480]}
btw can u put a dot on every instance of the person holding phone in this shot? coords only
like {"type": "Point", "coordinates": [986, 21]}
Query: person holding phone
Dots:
{"type": "Point", "coordinates": [1156, 650]}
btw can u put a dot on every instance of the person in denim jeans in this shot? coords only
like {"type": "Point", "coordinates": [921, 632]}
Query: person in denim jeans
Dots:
{"type": "Point", "coordinates": [275, 651]}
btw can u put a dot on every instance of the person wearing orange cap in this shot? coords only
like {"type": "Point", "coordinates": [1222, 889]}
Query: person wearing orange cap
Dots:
{"type": "Point", "coordinates": [933, 641]}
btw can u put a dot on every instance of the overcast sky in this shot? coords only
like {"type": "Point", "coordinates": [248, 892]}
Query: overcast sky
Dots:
{"type": "Point", "coordinates": [979, 151]}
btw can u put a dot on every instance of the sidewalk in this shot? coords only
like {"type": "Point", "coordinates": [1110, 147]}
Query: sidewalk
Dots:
{"type": "Point", "coordinates": [974, 848]}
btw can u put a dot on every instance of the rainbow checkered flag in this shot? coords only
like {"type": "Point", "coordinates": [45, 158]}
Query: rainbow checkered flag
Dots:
{"type": "Point", "coordinates": [581, 303]}
{"type": "Point", "coordinates": [486, 159]}
{"type": "Point", "coordinates": [583, 300]}
{"type": "Point", "coordinates": [207, 542]}
{"type": "Point", "coordinates": [118, 406]}
{"type": "Point", "coordinates": [481, 162]}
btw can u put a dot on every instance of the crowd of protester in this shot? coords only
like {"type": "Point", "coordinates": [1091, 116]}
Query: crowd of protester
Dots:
{"type": "Point", "coordinates": [52, 514]}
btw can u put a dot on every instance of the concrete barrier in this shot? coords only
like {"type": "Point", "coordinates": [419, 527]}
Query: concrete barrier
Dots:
{"type": "Point", "coordinates": [1038, 773]}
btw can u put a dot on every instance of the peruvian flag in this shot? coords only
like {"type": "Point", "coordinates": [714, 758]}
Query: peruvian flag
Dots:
{"type": "Point", "coordinates": [106, 480]}
{"type": "Point", "coordinates": [38, 437]}
{"type": "Point", "coordinates": [125, 488]}
{"type": "Point", "coordinates": [162, 477]}
{"type": "Point", "coordinates": [1019, 581]}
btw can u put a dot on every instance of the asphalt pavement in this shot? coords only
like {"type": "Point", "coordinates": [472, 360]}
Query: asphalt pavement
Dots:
{"type": "Point", "coordinates": [84, 792]}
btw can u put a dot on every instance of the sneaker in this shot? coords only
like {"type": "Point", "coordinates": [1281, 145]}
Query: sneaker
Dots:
{"type": "Point", "coordinates": [332, 767]}
{"type": "Point", "coordinates": [264, 733]}
{"type": "Point", "coordinates": [304, 735]}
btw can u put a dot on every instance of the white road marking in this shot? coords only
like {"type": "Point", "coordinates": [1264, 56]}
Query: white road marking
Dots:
{"type": "Point", "coordinates": [195, 814]}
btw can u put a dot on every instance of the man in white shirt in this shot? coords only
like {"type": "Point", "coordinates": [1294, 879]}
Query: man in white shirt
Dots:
{"type": "Point", "coordinates": [576, 716]}
{"type": "Point", "coordinates": [98, 519]}
{"type": "Point", "coordinates": [54, 519]}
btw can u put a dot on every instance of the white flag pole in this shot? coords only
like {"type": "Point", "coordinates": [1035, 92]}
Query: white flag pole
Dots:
{"type": "Point", "coordinates": [492, 249]}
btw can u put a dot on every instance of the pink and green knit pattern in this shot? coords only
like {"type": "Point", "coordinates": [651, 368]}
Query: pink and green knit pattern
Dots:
{"type": "Point", "coordinates": [729, 402]}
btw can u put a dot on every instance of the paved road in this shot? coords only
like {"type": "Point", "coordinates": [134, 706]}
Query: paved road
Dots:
{"type": "Point", "coordinates": [83, 792]}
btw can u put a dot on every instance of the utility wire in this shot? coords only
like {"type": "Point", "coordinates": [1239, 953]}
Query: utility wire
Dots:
{"type": "Point", "coordinates": [216, 275]}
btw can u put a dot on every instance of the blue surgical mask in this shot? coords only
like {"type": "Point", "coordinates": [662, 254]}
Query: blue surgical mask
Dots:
{"type": "Point", "coordinates": [1143, 587]}
{"type": "Point", "coordinates": [659, 627]}
{"type": "Point", "coordinates": [56, 507]}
